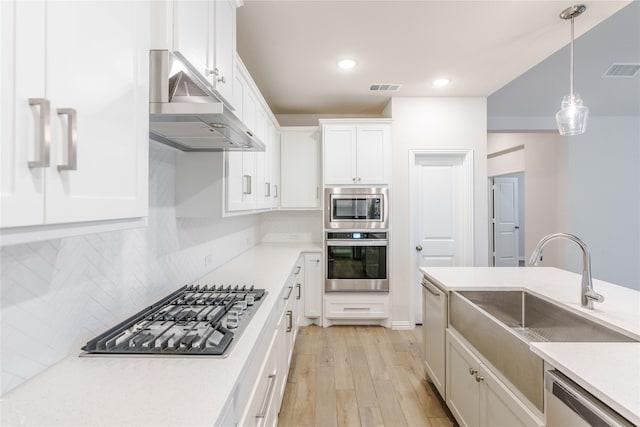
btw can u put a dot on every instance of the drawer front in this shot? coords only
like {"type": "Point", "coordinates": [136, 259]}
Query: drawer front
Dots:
{"type": "Point", "coordinates": [357, 310]}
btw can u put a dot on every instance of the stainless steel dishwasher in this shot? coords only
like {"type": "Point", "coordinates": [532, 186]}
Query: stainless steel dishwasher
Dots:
{"type": "Point", "coordinates": [569, 405]}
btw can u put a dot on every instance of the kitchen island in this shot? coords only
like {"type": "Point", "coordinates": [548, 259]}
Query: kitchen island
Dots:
{"type": "Point", "coordinates": [156, 390]}
{"type": "Point", "coordinates": [609, 371]}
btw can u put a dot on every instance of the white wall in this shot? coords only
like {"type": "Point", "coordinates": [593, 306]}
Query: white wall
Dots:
{"type": "Point", "coordinates": [292, 226]}
{"type": "Point", "coordinates": [58, 294]}
{"type": "Point", "coordinates": [455, 123]}
{"type": "Point", "coordinates": [604, 197]}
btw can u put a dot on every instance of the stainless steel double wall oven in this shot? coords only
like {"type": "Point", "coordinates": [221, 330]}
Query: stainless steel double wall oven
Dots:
{"type": "Point", "coordinates": [356, 239]}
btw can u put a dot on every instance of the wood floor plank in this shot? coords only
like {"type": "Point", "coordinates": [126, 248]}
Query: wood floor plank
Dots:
{"type": "Point", "coordinates": [362, 378]}
{"type": "Point", "coordinates": [377, 365]}
{"type": "Point", "coordinates": [347, 408]}
{"type": "Point", "coordinates": [370, 417]}
{"type": "Point", "coordinates": [341, 362]}
{"type": "Point", "coordinates": [286, 410]}
{"type": "Point", "coordinates": [306, 386]}
{"type": "Point", "coordinates": [326, 411]}
{"type": "Point", "coordinates": [411, 405]}
{"type": "Point", "coordinates": [389, 406]}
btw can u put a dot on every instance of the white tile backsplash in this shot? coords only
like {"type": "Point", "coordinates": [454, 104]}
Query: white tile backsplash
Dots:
{"type": "Point", "coordinates": [55, 295]}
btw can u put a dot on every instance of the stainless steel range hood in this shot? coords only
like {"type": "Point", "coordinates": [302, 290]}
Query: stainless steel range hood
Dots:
{"type": "Point", "coordinates": [185, 114]}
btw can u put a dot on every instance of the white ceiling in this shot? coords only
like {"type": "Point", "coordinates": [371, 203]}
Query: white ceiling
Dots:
{"type": "Point", "coordinates": [291, 48]}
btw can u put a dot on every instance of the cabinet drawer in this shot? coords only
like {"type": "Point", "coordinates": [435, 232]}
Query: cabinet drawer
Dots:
{"type": "Point", "coordinates": [261, 409]}
{"type": "Point", "coordinates": [346, 309]}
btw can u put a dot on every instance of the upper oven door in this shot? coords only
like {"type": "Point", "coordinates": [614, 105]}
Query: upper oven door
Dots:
{"type": "Point", "coordinates": [356, 208]}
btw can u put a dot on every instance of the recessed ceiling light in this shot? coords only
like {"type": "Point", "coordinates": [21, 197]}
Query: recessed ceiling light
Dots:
{"type": "Point", "coordinates": [347, 64]}
{"type": "Point", "coordinates": [440, 82]}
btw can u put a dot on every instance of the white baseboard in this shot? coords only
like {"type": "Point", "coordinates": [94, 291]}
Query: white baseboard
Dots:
{"type": "Point", "coordinates": [402, 324]}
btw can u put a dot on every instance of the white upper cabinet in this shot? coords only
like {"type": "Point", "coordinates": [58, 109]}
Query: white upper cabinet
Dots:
{"type": "Point", "coordinates": [356, 153]}
{"type": "Point", "coordinates": [204, 33]}
{"type": "Point", "coordinates": [300, 168]}
{"type": "Point", "coordinates": [74, 111]}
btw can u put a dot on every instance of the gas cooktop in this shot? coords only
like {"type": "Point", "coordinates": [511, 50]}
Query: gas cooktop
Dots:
{"type": "Point", "coordinates": [194, 320]}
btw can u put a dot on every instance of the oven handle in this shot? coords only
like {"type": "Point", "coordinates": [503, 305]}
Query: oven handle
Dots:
{"type": "Point", "coordinates": [357, 243]}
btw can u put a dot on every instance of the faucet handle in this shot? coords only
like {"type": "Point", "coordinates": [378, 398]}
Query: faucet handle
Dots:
{"type": "Point", "coordinates": [594, 296]}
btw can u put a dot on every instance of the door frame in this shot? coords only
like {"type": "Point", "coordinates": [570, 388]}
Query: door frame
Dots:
{"type": "Point", "coordinates": [467, 229]}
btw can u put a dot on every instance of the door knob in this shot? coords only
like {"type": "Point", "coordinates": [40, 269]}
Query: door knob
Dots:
{"type": "Point", "coordinates": [419, 248]}
{"type": "Point", "coordinates": [517, 227]}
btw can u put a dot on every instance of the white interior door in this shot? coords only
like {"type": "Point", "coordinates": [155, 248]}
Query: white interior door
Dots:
{"type": "Point", "coordinates": [506, 228]}
{"type": "Point", "coordinates": [441, 215]}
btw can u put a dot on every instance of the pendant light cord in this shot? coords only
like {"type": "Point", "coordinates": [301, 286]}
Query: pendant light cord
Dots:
{"type": "Point", "coordinates": [571, 66]}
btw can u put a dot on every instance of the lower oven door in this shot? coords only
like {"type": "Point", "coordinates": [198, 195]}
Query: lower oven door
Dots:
{"type": "Point", "coordinates": [356, 266]}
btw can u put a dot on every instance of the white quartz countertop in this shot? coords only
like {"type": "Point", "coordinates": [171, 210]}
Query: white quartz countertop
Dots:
{"type": "Point", "coordinates": [610, 371]}
{"type": "Point", "coordinates": [153, 391]}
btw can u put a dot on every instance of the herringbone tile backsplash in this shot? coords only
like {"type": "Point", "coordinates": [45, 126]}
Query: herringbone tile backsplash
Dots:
{"type": "Point", "coordinates": [58, 294]}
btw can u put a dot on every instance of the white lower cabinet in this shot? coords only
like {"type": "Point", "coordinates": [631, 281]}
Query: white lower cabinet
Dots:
{"type": "Point", "coordinates": [477, 397]}
{"type": "Point", "coordinates": [434, 325]}
{"type": "Point", "coordinates": [313, 285]}
{"type": "Point", "coordinates": [263, 404]}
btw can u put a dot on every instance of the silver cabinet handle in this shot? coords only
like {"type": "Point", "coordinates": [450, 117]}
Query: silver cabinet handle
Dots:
{"type": "Point", "coordinates": [298, 290]}
{"type": "Point", "coordinates": [246, 184]}
{"type": "Point", "coordinates": [298, 268]}
{"type": "Point", "coordinates": [479, 378]}
{"type": "Point", "coordinates": [289, 294]}
{"type": "Point", "coordinates": [429, 287]}
{"type": "Point", "coordinates": [72, 138]}
{"type": "Point", "coordinates": [275, 191]}
{"type": "Point", "coordinates": [472, 371]}
{"type": "Point", "coordinates": [44, 140]}
{"type": "Point", "coordinates": [290, 321]}
{"type": "Point", "coordinates": [267, 397]}
{"type": "Point", "coordinates": [267, 189]}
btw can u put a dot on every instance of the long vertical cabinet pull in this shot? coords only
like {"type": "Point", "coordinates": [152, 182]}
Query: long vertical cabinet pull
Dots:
{"type": "Point", "coordinates": [299, 291]}
{"type": "Point", "coordinates": [267, 397]}
{"type": "Point", "coordinates": [72, 139]}
{"type": "Point", "coordinates": [44, 140]}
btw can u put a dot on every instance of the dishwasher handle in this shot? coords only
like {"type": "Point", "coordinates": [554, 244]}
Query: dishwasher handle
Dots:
{"type": "Point", "coordinates": [581, 402]}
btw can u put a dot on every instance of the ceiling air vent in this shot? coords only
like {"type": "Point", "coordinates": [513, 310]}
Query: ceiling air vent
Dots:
{"type": "Point", "coordinates": [384, 87]}
{"type": "Point", "coordinates": [619, 70]}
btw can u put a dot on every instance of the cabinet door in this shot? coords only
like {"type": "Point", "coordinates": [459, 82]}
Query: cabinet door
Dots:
{"type": "Point", "coordinates": [192, 26]}
{"type": "Point", "coordinates": [499, 407]}
{"type": "Point", "coordinates": [434, 324]}
{"type": "Point", "coordinates": [373, 154]}
{"type": "Point", "coordinates": [224, 48]}
{"type": "Point", "coordinates": [313, 285]}
{"type": "Point", "coordinates": [463, 391]}
{"type": "Point", "coordinates": [300, 168]}
{"type": "Point", "coordinates": [339, 154]}
{"type": "Point", "coordinates": [97, 67]}
{"type": "Point", "coordinates": [23, 66]}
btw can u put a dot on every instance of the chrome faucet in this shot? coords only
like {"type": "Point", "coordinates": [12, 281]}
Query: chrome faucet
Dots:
{"type": "Point", "coordinates": [587, 294]}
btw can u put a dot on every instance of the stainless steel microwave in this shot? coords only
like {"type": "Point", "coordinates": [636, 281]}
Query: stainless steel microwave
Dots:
{"type": "Point", "coordinates": [356, 208]}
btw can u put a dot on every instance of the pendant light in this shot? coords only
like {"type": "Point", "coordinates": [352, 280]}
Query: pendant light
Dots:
{"type": "Point", "coordinates": [572, 117]}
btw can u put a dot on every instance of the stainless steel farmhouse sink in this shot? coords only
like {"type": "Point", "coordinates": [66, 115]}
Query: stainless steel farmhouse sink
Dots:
{"type": "Point", "coordinates": [536, 319]}
{"type": "Point", "coordinates": [501, 324]}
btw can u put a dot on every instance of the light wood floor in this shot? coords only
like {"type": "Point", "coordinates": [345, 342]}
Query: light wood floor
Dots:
{"type": "Point", "coordinates": [359, 375]}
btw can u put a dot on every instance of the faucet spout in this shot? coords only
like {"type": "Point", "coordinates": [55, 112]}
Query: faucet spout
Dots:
{"type": "Point", "coordinates": [587, 294]}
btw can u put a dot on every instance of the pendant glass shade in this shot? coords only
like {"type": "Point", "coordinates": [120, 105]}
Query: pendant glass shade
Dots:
{"type": "Point", "coordinates": [572, 117]}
